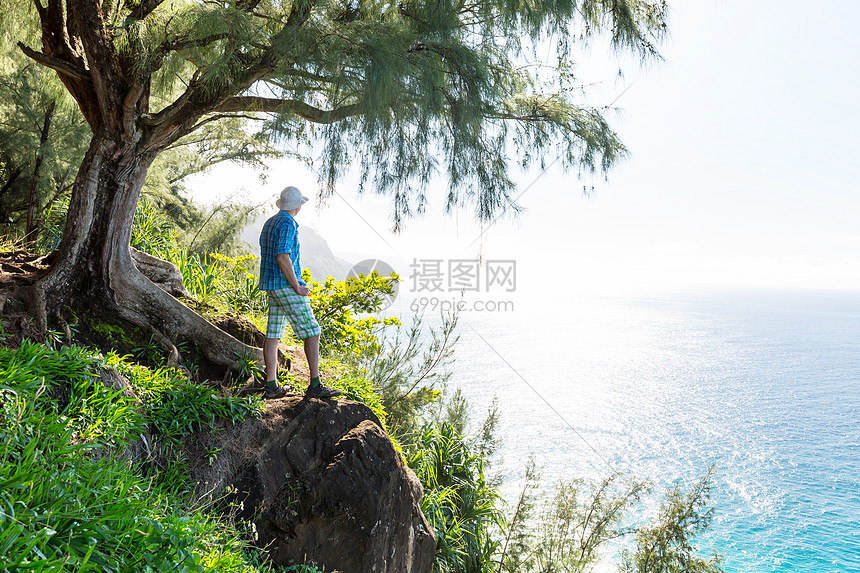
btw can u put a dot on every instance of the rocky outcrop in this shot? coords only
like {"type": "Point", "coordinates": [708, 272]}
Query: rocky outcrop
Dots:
{"type": "Point", "coordinates": [323, 484]}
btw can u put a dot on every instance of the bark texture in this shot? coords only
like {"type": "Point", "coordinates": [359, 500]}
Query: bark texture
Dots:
{"type": "Point", "coordinates": [95, 270]}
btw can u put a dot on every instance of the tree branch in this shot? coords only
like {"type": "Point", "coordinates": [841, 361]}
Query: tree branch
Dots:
{"type": "Point", "coordinates": [309, 76]}
{"type": "Point", "coordinates": [219, 116]}
{"type": "Point", "coordinates": [198, 43]}
{"type": "Point", "coordinates": [247, 5]}
{"type": "Point", "coordinates": [60, 43]}
{"type": "Point", "coordinates": [199, 99]}
{"type": "Point", "coordinates": [145, 8]}
{"type": "Point", "coordinates": [103, 60]}
{"type": "Point", "coordinates": [42, 11]}
{"type": "Point", "coordinates": [300, 108]}
{"type": "Point", "coordinates": [57, 64]}
{"type": "Point", "coordinates": [132, 102]}
{"type": "Point", "coordinates": [10, 181]}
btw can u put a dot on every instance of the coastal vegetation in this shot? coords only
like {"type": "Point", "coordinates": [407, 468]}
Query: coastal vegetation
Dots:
{"type": "Point", "coordinates": [108, 107]}
{"type": "Point", "coordinates": [93, 477]}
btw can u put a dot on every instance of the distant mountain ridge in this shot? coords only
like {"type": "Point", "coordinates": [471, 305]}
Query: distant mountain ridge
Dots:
{"type": "Point", "coordinates": [318, 256]}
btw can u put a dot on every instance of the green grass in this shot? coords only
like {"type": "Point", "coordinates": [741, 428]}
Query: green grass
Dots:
{"type": "Point", "coordinates": [67, 384]}
{"type": "Point", "coordinates": [67, 505]}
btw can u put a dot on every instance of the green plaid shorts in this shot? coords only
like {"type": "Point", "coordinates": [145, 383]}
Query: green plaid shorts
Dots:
{"type": "Point", "coordinates": [285, 304]}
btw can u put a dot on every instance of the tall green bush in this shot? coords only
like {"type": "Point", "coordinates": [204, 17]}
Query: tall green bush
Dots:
{"type": "Point", "coordinates": [458, 501]}
{"type": "Point", "coordinates": [667, 544]}
{"type": "Point", "coordinates": [345, 311]}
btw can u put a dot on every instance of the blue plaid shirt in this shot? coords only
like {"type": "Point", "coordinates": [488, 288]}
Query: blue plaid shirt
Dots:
{"type": "Point", "coordinates": [280, 235]}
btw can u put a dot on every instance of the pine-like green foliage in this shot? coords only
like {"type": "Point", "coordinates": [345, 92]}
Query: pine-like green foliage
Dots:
{"type": "Point", "coordinates": [667, 545]}
{"type": "Point", "coordinates": [29, 92]}
{"type": "Point", "coordinates": [566, 532]}
{"type": "Point", "coordinates": [410, 369]}
{"type": "Point", "coordinates": [32, 103]}
{"type": "Point", "coordinates": [447, 87]}
{"type": "Point", "coordinates": [515, 547]}
{"type": "Point", "coordinates": [402, 90]}
{"type": "Point", "coordinates": [575, 524]}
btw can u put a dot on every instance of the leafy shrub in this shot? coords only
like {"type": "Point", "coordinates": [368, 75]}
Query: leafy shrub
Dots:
{"type": "Point", "coordinates": [337, 304]}
{"type": "Point", "coordinates": [199, 278]}
{"type": "Point", "coordinates": [238, 284]}
{"type": "Point", "coordinates": [460, 503]}
{"type": "Point", "coordinates": [176, 406]}
{"type": "Point", "coordinates": [53, 223]}
{"type": "Point", "coordinates": [226, 282]}
{"type": "Point", "coordinates": [68, 381]}
{"type": "Point", "coordinates": [355, 387]}
{"type": "Point", "coordinates": [152, 232]}
{"type": "Point", "coordinates": [180, 410]}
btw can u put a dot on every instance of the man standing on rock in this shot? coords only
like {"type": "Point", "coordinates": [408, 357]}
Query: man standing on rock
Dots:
{"type": "Point", "coordinates": [281, 276]}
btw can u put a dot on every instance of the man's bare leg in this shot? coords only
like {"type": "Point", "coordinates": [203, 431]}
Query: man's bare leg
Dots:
{"type": "Point", "coordinates": [270, 358]}
{"type": "Point", "coordinates": [312, 353]}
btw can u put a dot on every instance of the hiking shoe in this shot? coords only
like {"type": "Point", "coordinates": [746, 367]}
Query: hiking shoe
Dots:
{"type": "Point", "coordinates": [276, 392]}
{"type": "Point", "coordinates": [322, 391]}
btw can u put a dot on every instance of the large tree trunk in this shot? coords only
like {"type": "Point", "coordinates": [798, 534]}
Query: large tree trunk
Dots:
{"type": "Point", "coordinates": [94, 268]}
{"type": "Point", "coordinates": [98, 225]}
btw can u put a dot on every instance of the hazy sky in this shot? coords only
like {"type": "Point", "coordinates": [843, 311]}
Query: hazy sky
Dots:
{"type": "Point", "coordinates": [743, 170]}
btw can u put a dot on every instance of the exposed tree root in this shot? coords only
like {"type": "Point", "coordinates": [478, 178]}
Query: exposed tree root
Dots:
{"type": "Point", "coordinates": [170, 350]}
{"type": "Point", "coordinates": [29, 303]}
{"type": "Point", "coordinates": [166, 275]}
{"type": "Point", "coordinates": [164, 313]}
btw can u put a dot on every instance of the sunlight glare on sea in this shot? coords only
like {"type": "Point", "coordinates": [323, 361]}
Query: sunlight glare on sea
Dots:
{"type": "Point", "coordinates": [763, 385]}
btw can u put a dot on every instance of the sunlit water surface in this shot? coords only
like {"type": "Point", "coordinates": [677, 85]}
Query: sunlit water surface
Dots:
{"type": "Point", "coordinates": [764, 385]}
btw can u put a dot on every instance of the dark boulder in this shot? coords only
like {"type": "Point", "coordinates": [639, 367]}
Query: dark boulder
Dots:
{"type": "Point", "coordinates": [324, 485]}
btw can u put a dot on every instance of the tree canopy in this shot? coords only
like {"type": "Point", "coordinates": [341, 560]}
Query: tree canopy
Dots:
{"type": "Point", "coordinates": [43, 139]}
{"type": "Point", "coordinates": [401, 90]}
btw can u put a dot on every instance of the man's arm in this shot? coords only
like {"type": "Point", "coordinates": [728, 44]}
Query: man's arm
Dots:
{"type": "Point", "coordinates": [286, 265]}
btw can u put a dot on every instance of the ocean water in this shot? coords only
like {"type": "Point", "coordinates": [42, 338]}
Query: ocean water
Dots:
{"type": "Point", "coordinates": [764, 385]}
